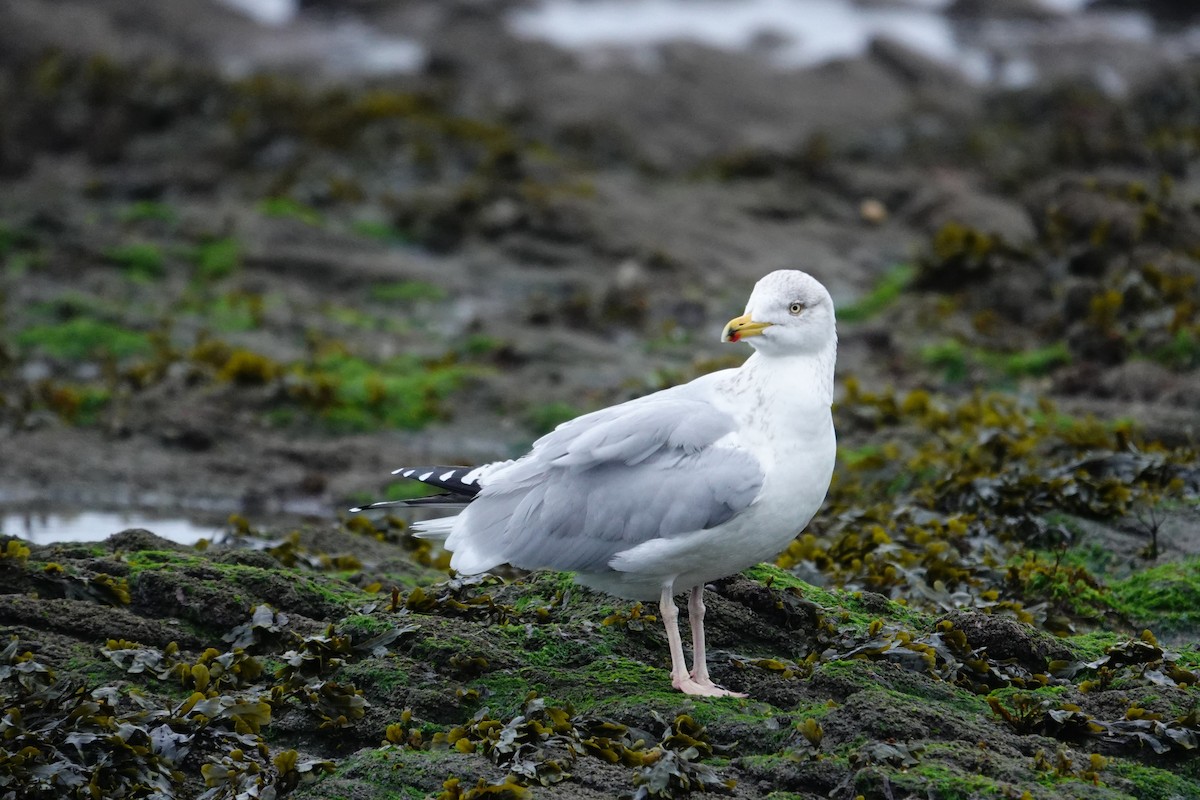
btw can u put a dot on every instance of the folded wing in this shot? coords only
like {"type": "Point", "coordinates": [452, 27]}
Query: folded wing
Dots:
{"type": "Point", "coordinates": [605, 482]}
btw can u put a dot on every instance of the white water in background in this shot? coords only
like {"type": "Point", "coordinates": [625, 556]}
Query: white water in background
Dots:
{"type": "Point", "coordinates": [790, 33]}
{"type": "Point", "coordinates": [281, 12]}
{"type": "Point", "coordinates": [342, 46]}
{"type": "Point", "coordinates": [801, 33]}
{"type": "Point", "coordinates": [266, 12]}
{"type": "Point", "coordinates": [810, 31]}
{"type": "Point", "coordinates": [95, 526]}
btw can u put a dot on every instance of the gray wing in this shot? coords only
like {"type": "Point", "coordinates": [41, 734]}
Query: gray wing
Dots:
{"type": "Point", "coordinates": [611, 480]}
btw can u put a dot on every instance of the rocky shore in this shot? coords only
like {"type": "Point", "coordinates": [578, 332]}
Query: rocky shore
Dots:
{"type": "Point", "coordinates": [239, 276]}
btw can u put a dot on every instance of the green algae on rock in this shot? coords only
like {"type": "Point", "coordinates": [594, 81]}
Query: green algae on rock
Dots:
{"type": "Point", "coordinates": [445, 679]}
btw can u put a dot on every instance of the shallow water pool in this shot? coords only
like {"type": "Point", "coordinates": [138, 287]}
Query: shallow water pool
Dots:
{"type": "Point", "coordinates": [95, 526]}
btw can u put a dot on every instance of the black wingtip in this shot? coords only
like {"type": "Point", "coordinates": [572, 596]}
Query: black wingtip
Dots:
{"type": "Point", "coordinates": [449, 478]}
{"type": "Point", "coordinates": [452, 479]}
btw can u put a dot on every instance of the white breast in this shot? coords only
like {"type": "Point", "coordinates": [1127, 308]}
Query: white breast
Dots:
{"type": "Point", "coordinates": [791, 435]}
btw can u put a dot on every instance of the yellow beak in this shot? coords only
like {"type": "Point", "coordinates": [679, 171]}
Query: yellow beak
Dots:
{"type": "Point", "coordinates": [741, 327]}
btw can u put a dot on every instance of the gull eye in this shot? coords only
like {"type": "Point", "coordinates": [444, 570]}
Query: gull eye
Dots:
{"type": "Point", "coordinates": [795, 308]}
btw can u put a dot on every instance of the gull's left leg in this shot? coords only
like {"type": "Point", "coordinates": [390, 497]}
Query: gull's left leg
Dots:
{"type": "Point", "coordinates": [670, 618]}
{"type": "Point", "coordinates": [699, 658]}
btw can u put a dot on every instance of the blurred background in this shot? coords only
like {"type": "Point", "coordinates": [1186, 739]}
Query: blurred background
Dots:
{"type": "Point", "coordinates": [254, 254]}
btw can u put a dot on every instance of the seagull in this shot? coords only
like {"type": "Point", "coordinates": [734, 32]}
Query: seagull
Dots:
{"type": "Point", "coordinates": [669, 491]}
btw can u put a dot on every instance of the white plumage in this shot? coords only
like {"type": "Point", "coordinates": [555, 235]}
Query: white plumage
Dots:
{"type": "Point", "coordinates": [678, 488]}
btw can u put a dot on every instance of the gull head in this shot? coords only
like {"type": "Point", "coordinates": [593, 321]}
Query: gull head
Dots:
{"type": "Point", "coordinates": [789, 312]}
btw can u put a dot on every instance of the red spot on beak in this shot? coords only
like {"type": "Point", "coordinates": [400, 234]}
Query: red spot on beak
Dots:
{"type": "Point", "coordinates": [735, 337]}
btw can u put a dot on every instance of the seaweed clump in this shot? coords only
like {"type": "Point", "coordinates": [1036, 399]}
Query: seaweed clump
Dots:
{"type": "Point", "coordinates": [1110, 276]}
{"type": "Point", "coordinates": [62, 739]}
{"type": "Point", "coordinates": [540, 746]}
{"type": "Point", "coordinates": [959, 489]}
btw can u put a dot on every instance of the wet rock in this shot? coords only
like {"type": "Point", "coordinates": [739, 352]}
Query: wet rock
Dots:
{"type": "Point", "coordinates": [882, 716]}
{"type": "Point", "coordinates": [1166, 11]}
{"type": "Point", "coordinates": [134, 539]}
{"type": "Point", "coordinates": [625, 300]}
{"type": "Point", "coordinates": [79, 619]}
{"type": "Point", "coordinates": [1077, 297]}
{"type": "Point", "coordinates": [916, 69]}
{"type": "Point", "coordinates": [752, 604]}
{"type": "Point", "coordinates": [1146, 381]}
{"type": "Point", "coordinates": [209, 596]}
{"type": "Point", "coordinates": [811, 779]}
{"type": "Point", "coordinates": [500, 216]}
{"type": "Point", "coordinates": [1006, 638]}
{"type": "Point", "coordinates": [248, 558]}
{"type": "Point", "coordinates": [1111, 220]}
{"type": "Point", "coordinates": [997, 216]}
{"type": "Point", "coordinates": [1103, 347]}
{"type": "Point", "coordinates": [875, 602]}
{"type": "Point", "coordinates": [126, 31]}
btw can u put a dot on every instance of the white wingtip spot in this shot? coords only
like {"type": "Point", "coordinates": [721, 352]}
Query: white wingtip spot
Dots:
{"type": "Point", "coordinates": [468, 478]}
{"type": "Point", "coordinates": [356, 509]}
{"type": "Point", "coordinates": [445, 476]}
{"type": "Point", "coordinates": [424, 477]}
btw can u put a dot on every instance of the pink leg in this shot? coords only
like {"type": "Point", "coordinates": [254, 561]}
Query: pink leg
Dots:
{"type": "Point", "coordinates": [699, 659]}
{"type": "Point", "coordinates": [696, 617]}
{"type": "Point", "coordinates": [680, 678]}
{"type": "Point", "coordinates": [670, 617]}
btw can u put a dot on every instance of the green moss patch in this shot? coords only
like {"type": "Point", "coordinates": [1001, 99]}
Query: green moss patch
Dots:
{"type": "Point", "coordinates": [886, 292]}
{"type": "Point", "coordinates": [350, 393]}
{"type": "Point", "coordinates": [1165, 597]}
{"type": "Point", "coordinates": [83, 337]}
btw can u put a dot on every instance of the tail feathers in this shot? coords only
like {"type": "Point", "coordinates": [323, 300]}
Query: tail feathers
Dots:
{"type": "Point", "coordinates": [433, 528]}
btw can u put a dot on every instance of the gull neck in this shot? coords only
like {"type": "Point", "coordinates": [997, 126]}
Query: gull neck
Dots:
{"type": "Point", "coordinates": [798, 369]}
